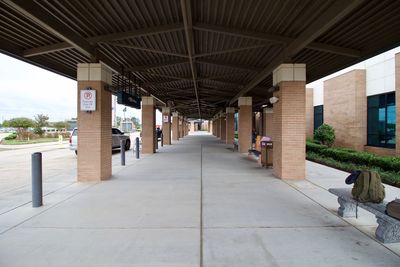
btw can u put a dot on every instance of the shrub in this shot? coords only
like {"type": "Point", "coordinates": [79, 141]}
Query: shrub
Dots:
{"type": "Point", "coordinates": [386, 163]}
{"type": "Point", "coordinates": [11, 136]}
{"type": "Point", "coordinates": [325, 134]}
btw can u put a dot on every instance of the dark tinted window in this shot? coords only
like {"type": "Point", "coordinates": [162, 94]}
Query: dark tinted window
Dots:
{"type": "Point", "coordinates": [318, 116]}
{"type": "Point", "coordinates": [381, 126]}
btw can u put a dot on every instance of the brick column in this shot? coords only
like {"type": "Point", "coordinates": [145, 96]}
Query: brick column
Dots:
{"type": "Point", "coordinates": [166, 125]}
{"type": "Point", "coordinates": [181, 123]}
{"type": "Point", "coordinates": [289, 122]}
{"type": "Point", "coordinates": [175, 126]}
{"type": "Point", "coordinates": [397, 86]}
{"type": "Point", "coordinates": [267, 121]}
{"type": "Point", "coordinates": [217, 128]}
{"type": "Point", "coordinates": [223, 128]}
{"type": "Point", "coordinates": [245, 123]}
{"type": "Point", "coordinates": [213, 127]}
{"type": "Point", "coordinates": [310, 113]}
{"type": "Point", "coordinates": [230, 125]}
{"type": "Point", "coordinates": [148, 125]}
{"type": "Point", "coordinates": [208, 126]}
{"type": "Point", "coordinates": [94, 128]}
{"type": "Point", "coordinates": [192, 127]}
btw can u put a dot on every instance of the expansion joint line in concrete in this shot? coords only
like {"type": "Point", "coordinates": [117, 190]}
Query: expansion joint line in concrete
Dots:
{"type": "Point", "coordinates": [201, 205]}
{"type": "Point", "coordinates": [348, 223]}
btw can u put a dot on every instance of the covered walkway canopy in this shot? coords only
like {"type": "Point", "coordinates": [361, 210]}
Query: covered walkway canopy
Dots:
{"type": "Point", "coordinates": [198, 56]}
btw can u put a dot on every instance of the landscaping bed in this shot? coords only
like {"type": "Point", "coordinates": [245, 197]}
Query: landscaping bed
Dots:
{"type": "Point", "coordinates": [25, 142]}
{"type": "Point", "coordinates": [350, 160]}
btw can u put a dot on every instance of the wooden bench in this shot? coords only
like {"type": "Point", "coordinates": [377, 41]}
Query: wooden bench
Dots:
{"type": "Point", "coordinates": [388, 230]}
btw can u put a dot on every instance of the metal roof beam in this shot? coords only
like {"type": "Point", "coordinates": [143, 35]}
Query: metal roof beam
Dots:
{"type": "Point", "coordinates": [277, 39]}
{"type": "Point", "coordinates": [336, 12]}
{"type": "Point", "coordinates": [228, 51]}
{"type": "Point", "coordinates": [41, 17]}
{"type": "Point", "coordinates": [103, 38]}
{"type": "Point", "coordinates": [229, 65]}
{"type": "Point", "coordinates": [156, 65]}
{"type": "Point", "coordinates": [157, 51]}
{"type": "Point", "coordinates": [188, 24]}
{"type": "Point", "coordinates": [166, 76]}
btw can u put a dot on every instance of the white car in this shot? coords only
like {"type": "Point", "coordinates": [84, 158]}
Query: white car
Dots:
{"type": "Point", "coordinates": [117, 136]}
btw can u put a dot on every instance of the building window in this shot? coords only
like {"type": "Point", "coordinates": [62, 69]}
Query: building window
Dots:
{"type": "Point", "coordinates": [318, 116]}
{"type": "Point", "coordinates": [381, 128]}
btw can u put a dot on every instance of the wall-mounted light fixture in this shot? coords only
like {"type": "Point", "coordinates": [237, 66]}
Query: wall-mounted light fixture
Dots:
{"type": "Point", "coordinates": [273, 100]}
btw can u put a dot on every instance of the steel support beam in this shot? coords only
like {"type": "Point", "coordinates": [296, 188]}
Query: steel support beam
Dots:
{"type": "Point", "coordinates": [188, 24]}
{"type": "Point", "coordinates": [325, 21]}
{"type": "Point", "coordinates": [103, 38]}
{"type": "Point", "coordinates": [277, 39]}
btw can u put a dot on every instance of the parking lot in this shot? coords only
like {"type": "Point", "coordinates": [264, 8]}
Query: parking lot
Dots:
{"type": "Point", "coordinates": [59, 170]}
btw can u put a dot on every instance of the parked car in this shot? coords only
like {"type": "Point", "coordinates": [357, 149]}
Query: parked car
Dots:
{"type": "Point", "coordinates": [117, 136]}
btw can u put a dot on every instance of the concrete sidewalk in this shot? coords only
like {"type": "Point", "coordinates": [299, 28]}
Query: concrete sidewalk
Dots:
{"type": "Point", "coordinates": [194, 203]}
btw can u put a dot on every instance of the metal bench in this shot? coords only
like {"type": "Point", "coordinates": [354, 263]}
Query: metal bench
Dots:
{"type": "Point", "coordinates": [388, 230]}
{"type": "Point", "coordinates": [235, 146]}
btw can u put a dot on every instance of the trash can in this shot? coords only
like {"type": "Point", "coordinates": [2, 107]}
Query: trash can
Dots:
{"type": "Point", "coordinates": [266, 152]}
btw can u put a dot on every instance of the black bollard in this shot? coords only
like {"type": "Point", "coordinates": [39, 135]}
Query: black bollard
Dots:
{"type": "Point", "coordinates": [122, 144]}
{"type": "Point", "coordinates": [37, 185]}
{"type": "Point", "coordinates": [156, 144]}
{"type": "Point", "coordinates": [162, 140]}
{"type": "Point", "coordinates": [137, 147]}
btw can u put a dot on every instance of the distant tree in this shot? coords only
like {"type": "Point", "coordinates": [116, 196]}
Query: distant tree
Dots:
{"type": "Point", "coordinates": [118, 121]}
{"type": "Point", "coordinates": [6, 123]}
{"type": "Point", "coordinates": [40, 121]}
{"type": "Point", "coordinates": [59, 125]}
{"type": "Point", "coordinates": [136, 122]}
{"type": "Point", "coordinates": [21, 124]}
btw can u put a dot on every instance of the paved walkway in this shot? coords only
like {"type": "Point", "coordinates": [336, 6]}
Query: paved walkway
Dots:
{"type": "Point", "coordinates": [195, 203]}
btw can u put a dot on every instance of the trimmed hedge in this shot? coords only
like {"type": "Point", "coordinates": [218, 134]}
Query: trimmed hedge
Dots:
{"type": "Point", "coordinates": [388, 177]}
{"type": "Point", "coordinates": [385, 163]}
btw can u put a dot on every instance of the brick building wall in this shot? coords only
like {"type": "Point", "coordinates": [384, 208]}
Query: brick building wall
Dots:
{"type": "Point", "coordinates": [345, 108]}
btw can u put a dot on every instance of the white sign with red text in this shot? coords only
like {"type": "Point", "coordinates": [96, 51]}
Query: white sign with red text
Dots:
{"type": "Point", "coordinates": [88, 100]}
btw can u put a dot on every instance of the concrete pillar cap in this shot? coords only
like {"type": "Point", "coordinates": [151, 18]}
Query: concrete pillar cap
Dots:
{"type": "Point", "coordinates": [148, 100]}
{"type": "Point", "coordinates": [175, 114]}
{"type": "Point", "coordinates": [245, 101]}
{"type": "Point", "coordinates": [94, 72]}
{"type": "Point", "coordinates": [166, 110]}
{"type": "Point", "coordinates": [230, 110]}
{"type": "Point", "coordinates": [289, 72]}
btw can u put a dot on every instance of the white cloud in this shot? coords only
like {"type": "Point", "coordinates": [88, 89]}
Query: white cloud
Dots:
{"type": "Point", "coordinates": [27, 90]}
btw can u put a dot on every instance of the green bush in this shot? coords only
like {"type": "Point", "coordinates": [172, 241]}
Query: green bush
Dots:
{"type": "Point", "coordinates": [325, 134]}
{"type": "Point", "coordinates": [389, 177]}
{"type": "Point", "coordinates": [11, 136]}
{"type": "Point", "coordinates": [386, 163]}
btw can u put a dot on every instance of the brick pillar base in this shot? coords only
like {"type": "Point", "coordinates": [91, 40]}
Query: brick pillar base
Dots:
{"type": "Point", "coordinates": [245, 123]}
{"type": "Point", "coordinates": [148, 125]}
{"type": "Point", "coordinates": [94, 128]}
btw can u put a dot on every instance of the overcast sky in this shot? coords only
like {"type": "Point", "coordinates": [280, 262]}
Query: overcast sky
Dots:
{"type": "Point", "coordinates": [26, 90]}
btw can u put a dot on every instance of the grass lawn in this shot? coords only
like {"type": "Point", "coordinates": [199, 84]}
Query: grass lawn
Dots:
{"type": "Point", "coordinates": [25, 142]}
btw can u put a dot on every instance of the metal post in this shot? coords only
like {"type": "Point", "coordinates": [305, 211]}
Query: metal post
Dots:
{"type": "Point", "coordinates": [156, 140]}
{"type": "Point", "coordinates": [137, 147]}
{"type": "Point", "coordinates": [37, 185]}
{"type": "Point", "coordinates": [162, 140]}
{"type": "Point", "coordinates": [122, 144]}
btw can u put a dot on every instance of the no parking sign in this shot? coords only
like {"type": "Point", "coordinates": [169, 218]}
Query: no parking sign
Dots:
{"type": "Point", "coordinates": [88, 99]}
